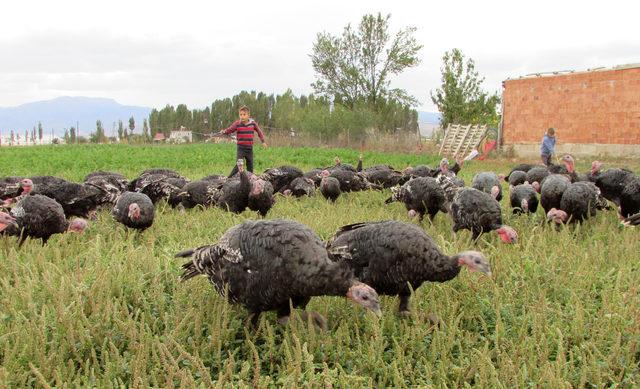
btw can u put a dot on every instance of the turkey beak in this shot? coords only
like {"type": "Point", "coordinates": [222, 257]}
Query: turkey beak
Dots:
{"type": "Point", "coordinates": [377, 311]}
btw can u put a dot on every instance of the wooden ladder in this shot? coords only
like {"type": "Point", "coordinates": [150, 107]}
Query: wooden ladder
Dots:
{"type": "Point", "coordinates": [460, 140]}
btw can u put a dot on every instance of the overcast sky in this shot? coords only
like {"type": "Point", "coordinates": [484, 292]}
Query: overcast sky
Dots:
{"type": "Point", "coordinates": [153, 52]}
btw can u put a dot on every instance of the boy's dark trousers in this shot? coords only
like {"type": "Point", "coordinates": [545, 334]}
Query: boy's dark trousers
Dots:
{"type": "Point", "coordinates": [546, 159]}
{"type": "Point", "coordinates": [247, 155]}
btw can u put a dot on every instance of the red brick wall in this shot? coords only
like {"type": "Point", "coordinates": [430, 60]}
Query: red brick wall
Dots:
{"type": "Point", "coordinates": [591, 107]}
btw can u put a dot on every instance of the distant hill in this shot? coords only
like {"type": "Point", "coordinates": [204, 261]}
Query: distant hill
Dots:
{"type": "Point", "coordinates": [63, 112]}
{"type": "Point", "coordinates": [429, 117]}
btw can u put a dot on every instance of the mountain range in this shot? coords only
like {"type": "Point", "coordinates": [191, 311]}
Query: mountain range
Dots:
{"type": "Point", "coordinates": [61, 113]}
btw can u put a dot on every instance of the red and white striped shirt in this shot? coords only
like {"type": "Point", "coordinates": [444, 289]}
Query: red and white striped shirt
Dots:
{"type": "Point", "coordinates": [245, 132]}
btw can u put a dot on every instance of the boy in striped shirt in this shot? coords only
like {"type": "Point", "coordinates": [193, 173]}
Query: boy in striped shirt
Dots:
{"type": "Point", "coordinates": [244, 138]}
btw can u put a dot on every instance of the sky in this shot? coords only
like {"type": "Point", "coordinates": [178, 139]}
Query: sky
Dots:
{"type": "Point", "coordinates": [153, 53]}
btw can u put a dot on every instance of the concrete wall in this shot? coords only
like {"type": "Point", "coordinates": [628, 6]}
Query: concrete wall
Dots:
{"type": "Point", "coordinates": [593, 112]}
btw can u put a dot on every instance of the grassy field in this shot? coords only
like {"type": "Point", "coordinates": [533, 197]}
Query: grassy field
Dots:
{"type": "Point", "coordinates": [106, 309]}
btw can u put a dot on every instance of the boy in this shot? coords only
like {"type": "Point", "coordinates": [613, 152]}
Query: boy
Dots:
{"type": "Point", "coordinates": [548, 146]}
{"type": "Point", "coordinates": [244, 139]}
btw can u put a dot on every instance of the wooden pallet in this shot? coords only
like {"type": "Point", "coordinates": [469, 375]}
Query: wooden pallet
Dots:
{"type": "Point", "coordinates": [459, 140]}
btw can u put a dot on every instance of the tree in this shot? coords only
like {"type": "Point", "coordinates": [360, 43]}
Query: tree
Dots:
{"type": "Point", "coordinates": [132, 124]}
{"type": "Point", "coordinates": [98, 136]}
{"type": "Point", "coordinates": [460, 98]}
{"type": "Point", "coordinates": [40, 132]}
{"type": "Point", "coordinates": [13, 138]}
{"type": "Point", "coordinates": [67, 138]}
{"type": "Point", "coordinates": [145, 130]}
{"type": "Point", "coordinates": [357, 66]}
{"type": "Point", "coordinates": [73, 135]}
{"type": "Point", "coordinates": [121, 135]}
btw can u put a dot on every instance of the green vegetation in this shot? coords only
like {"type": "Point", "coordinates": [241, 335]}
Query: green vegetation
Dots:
{"type": "Point", "coordinates": [106, 309]}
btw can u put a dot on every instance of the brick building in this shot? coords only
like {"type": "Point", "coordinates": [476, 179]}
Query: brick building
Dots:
{"type": "Point", "coordinates": [594, 112]}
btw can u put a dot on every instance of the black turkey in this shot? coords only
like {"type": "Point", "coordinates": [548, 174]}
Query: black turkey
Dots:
{"type": "Point", "coordinates": [552, 190]}
{"type": "Point", "coordinates": [422, 195]}
{"type": "Point", "coordinates": [478, 212]}
{"type": "Point", "coordinates": [281, 176]}
{"type": "Point", "coordinates": [383, 175]}
{"type": "Point", "coordinates": [315, 175]}
{"type": "Point", "coordinates": [517, 177]}
{"type": "Point", "coordinates": [630, 197]}
{"type": "Point", "coordinates": [417, 171]}
{"type": "Point", "coordinates": [111, 185]}
{"type": "Point", "coordinates": [329, 187]}
{"type": "Point", "coordinates": [352, 181]}
{"type": "Point", "coordinates": [523, 198]}
{"type": "Point", "coordinates": [233, 196]}
{"type": "Point", "coordinates": [270, 265]}
{"type": "Point", "coordinates": [395, 257]}
{"type": "Point", "coordinates": [261, 197]}
{"type": "Point", "coordinates": [536, 175]}
{"type": "Point", "coordinates": [451, 184]}
{"type": "Point", "coordinates": [134, 210]}
{"type": "Point", "coordinates": [612, 181]}
{"type": "Point", "coordinates": [159, 184]}
{"type": "Point", "coordinates": [299, 187]}
{"type": "Point", "coordinates": [443, 168]}
{"type": "Point", "coordinates": [523, 167]}
{"type": "Point", "coordinates": [488, 182]}
{"type": "Point", "coordinates": [38, 217]}
{"type": "Point", "coordinates": [201, 192]}
{"type": "Point", "coordinates": [344, 166]}
{"type": "Point", "coordinates": [17, 191]}
{"type": "Point", "coordinates": [76, 199]}
{"type": "Point", "coordinates": [579, 202]}
{"type": "Point", "coordinates": [633, 220]}
{"type": "Point", "coordinates": [10, 187]}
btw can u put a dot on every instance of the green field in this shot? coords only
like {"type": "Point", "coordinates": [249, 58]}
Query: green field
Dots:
{"type": "Point", "coordinates": [106, 309]}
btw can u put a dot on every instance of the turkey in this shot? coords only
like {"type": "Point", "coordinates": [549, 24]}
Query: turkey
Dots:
{"type": "Point", "coordinates": [396, 258]}
{"type": "Point", "coordinates": [344, 166]}
{"type": "Point", "coordinates": [315, 175]}
{"type": "Point", "coordinates": [10, 187]}
{"type": "Point", "coordinates": [612, 181]}
{"type": "Point", "coordinates": [478, 212]}
{"type": "Point", "coordinates": [551, 191]}
{"type": "Point", "coordinates": [300, 186]}
{"type": "Point", "coordinates": [383, 175]}
{"type": "Point", "coordinates": [201, 192]}
{"type": "Point", "coordinates": [111, 185]}
{"type": "Point", "coordinates": [443, 168]}
{"type": "Point", "coordinates": [76, 199]}
{"type": "Point", "coordinates": [281, 176]}
{"type": "Point", "coordinates": [422, 195]}
{"type": "Point", "coordinates": [329, 187]}
{"type": "Point", "coordinates": [17, 191]}
{"type": "Point", "coordinates": [38, 217]}
{"type": "Point", "coordinates": [418, 171]}
{"type": "Point", "coordinates": [579, 202]}
{"type": "Point", "coordinates": [261, 197]}
{"type": "Point", "coordinates": [630, 197]}
{"type": "Point", "coordinates": [517, 177]}
{"type": "Point", "coordinates": [523, 167]}
{"type": "Point", "coordinates": [159, 184]}
{"type": "Point", "coordinates": [451, 184]}
{"type": "Point", "coordinates": [270, 265]}
{"type": "Point", "coordinates": [488, 182]}
{"type": "Point", "coordinates": [233, 196]}
{"type": "Point", "coordinates": [537, 174]}
{"type": "Point", "coordinates": [134, 210]}
{"type": "Point", "coordinates": [523, 198]}
{"type": "Point", "coordinates": [351, 181]}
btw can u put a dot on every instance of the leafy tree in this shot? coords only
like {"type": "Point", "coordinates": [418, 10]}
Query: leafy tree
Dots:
{"type": "Point", "coordinates": [40, 132]}
{"type": "Point", "coordinates": [67, 138]}
{"type": "Point", "coordinates": [12, 139]}
{"type": "Point", "coordinates": [460, 98]}
{"type": "Point", "coordinates": [73, 135]}
{"type": "Point", "coordinates": [132, 124]}
{"type": "Point", "coordinates": [98, 136]}
{"type": "Point", "coordinates": [358, 65]}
